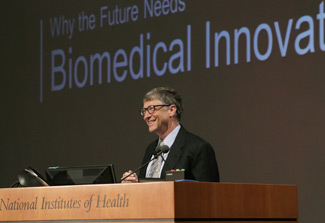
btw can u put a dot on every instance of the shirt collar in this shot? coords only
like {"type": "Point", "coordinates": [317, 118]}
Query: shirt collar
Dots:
{"type": "Point", "coordinates": [169, 140]}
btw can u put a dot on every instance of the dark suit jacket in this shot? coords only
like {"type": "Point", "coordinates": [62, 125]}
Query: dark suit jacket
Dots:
{"type": "Point", "coordinates": [188, 152]}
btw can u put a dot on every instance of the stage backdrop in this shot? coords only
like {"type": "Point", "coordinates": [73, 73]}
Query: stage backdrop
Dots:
{"type": "Point", "coordinates": [251, 73]}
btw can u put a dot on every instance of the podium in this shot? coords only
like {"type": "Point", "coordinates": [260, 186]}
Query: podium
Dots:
{"type": "Point", "coordinates": [152, 202]}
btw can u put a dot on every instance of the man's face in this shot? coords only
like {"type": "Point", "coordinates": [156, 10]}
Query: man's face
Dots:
{"type": "Point", "coordinates": [159, 120]}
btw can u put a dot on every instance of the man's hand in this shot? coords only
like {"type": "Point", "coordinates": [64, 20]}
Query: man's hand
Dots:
{"type": "Point", "coordinates": [133, 178]}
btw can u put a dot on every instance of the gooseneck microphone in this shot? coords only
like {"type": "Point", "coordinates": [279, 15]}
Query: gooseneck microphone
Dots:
{"type": "Point", "coordinates": [159, 150]}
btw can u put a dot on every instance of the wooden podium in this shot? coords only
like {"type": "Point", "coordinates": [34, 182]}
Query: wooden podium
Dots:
{"type": "Point", "coordinates": [152, 202]}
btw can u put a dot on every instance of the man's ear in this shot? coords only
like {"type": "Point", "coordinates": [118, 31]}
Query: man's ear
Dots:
{"type": "Point", "coordinates": [172, 110]}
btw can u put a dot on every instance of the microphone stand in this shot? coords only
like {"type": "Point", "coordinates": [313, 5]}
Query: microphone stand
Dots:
{"type": "Point", "coordinates": [155, 157]}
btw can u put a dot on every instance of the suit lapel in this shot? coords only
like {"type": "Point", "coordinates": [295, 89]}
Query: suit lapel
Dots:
{"type": "Point", "coordinates": [175, 151]}
{"type": "Point", "coordinates": [146, 158]}
{"type": "Point", "coordinates": [151, 150]}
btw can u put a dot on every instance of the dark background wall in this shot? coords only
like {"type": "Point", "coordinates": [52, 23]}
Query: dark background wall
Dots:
{"type": "Point", "coordinates": [263, 115]}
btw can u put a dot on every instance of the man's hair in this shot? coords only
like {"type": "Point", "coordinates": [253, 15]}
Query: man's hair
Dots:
{"type": "Point", "coordinates": [168, 96]}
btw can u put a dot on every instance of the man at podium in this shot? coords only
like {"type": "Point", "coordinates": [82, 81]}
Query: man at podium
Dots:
{"type": "Point", "coordinates": [162, 109]}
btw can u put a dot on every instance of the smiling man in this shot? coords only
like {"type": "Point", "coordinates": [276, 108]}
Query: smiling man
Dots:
{"type": "Point", "coordinates": [162, 109]}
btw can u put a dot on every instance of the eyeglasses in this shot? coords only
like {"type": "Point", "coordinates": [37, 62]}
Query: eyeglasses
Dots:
{"type": "Point", "coordinates": [151, 109]}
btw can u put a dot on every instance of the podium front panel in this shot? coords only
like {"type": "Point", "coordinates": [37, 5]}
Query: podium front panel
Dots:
{"type": "Point", "coordinates": [151, 202]}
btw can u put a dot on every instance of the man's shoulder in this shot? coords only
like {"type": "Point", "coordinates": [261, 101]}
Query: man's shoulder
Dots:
{"type": "Point", "coordinates": [190, 137]}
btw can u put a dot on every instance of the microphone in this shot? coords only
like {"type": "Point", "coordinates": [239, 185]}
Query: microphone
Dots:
{"type": "Point", "coordinates": [159, 150]}
{"type": "Point", "coordinates": [162, 149]}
